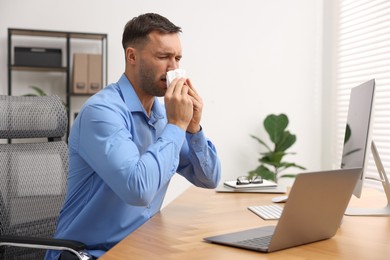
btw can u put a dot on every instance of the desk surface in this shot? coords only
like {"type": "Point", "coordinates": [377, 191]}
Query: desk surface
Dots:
{"type": "Point", "coordinates": [177, 232]}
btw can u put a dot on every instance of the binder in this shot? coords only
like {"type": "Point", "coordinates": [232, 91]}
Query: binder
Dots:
{"type": "Point", "coordinates": [94, 73]}
{"type": "Point", "coordinates": [80, 73]}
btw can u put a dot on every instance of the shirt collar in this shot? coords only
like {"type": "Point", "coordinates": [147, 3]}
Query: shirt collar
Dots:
{"type": "Point", "coordinates": [132, 101]}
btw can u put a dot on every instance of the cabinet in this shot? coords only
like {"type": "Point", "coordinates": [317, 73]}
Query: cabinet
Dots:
{"type": "Point", "coordinates": [61, 73]}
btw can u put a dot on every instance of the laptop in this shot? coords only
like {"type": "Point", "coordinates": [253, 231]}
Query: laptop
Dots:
{"type": "Point", "coordinates": [313, 212]}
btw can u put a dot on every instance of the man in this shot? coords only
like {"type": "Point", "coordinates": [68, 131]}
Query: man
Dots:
{"type": "Point", "coordinates": [125, 146]}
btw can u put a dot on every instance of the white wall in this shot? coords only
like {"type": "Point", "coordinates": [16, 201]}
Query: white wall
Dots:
{"type": "Point", "coordinates": [247, 59]}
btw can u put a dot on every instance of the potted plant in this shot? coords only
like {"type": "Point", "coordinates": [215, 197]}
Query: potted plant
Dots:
{"type": "Point", "coordinates": [38, 92]}
{"type": "Point", "coordinates": [271, 161]}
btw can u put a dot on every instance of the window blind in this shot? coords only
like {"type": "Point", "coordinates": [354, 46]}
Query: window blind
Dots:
{"type": "Point", "coordinates": [362, 53]}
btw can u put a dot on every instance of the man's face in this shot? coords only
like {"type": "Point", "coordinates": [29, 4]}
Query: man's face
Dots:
{"type": "Point", "coordinates": [162, 53]}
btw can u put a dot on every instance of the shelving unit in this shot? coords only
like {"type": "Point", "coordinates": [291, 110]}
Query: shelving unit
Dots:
{"type": "Point", "coordinates": [70, 40]}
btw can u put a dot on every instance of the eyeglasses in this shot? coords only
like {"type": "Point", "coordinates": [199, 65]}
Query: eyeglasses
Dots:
{"type": "Point", "coordinates": [244, 180]}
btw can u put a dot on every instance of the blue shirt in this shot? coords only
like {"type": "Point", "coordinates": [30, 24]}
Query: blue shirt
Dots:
{"type": "Point", "coordinates": [120, 165]}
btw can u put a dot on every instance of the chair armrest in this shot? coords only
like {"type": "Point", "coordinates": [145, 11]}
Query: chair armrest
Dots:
{"type": "Point", "coordinates": [76, 247]}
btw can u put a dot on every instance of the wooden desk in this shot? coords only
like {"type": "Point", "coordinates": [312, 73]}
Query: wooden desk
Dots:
{"type": "Point", "coordinates": [177, 231]}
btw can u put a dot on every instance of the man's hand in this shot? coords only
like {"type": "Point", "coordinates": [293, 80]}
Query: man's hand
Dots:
{"type": "Point", "coordinates": [194, 125]}
{"type": "Point", "coordinates": [179, 103]}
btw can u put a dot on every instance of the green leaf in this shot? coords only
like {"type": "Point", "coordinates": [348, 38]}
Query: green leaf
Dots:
{"type": "Point", "coordinates": [275, 125]}
{"type": "Point", "coordinates": [286, 165]}
{"type": "Point", "coordinates": [261, 142]}
{"type": "Point", "coordinates": [272, 158]}
{"type": "Point", "coordinates": [286, 141]}
{"type": "Point", "coordinates": [38, 90]}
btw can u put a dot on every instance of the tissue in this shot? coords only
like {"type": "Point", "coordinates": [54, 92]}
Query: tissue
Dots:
{"type": "Point", "coordinates": [177, 73]}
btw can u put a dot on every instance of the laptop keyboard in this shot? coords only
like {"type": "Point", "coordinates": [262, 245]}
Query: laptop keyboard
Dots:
{"type": "Point", "coordinates": [256, 242]}
{"type": "Point", "coordinates": [267, 212]}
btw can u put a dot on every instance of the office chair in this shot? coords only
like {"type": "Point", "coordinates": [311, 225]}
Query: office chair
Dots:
{"type": "Point", "coordinates": [33, 170]}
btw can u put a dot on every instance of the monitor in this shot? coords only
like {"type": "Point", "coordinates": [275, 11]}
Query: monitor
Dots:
{"type": "Point", "coordinates": [358, 143]}
{"type": "Point", "coordinates": [357, 137]}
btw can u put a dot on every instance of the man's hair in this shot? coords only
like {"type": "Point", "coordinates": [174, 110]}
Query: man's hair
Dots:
{"type": "Point", "coordinates": [136, 30]}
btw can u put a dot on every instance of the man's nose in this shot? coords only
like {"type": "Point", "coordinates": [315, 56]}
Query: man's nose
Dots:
{"type": "Point", "coordinates": [173, 64]}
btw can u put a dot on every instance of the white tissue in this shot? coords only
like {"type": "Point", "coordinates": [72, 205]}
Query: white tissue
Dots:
{"type": "Point", "coordinates": [177, 73]}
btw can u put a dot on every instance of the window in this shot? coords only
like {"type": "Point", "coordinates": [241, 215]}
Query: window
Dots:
{"type": "Point", "coordinates": [362, 52]}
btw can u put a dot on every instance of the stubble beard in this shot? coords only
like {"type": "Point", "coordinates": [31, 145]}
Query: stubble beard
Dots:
{"type": "Point", "coordinates": [149, 84]}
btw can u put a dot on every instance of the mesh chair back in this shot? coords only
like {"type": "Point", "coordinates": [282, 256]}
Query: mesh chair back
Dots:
{"type": "Point", "coordinates": [32, 173]}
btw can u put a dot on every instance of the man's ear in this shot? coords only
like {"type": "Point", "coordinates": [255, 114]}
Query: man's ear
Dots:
{"type": "Point", "coordinates": [130, 55]}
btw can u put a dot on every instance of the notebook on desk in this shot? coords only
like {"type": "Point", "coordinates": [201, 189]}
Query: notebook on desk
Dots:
{"type": "Point", "coordinates": [270, 189]}
{"type": "Point", "coordinates": [313, 212]}
{"type": "Point", "coordinates": [264, 184]}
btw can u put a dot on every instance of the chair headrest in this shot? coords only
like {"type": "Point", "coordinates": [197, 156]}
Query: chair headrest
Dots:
{"type": "Point", "coordinates": [32, 117]}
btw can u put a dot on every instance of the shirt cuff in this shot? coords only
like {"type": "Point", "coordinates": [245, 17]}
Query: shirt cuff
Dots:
{"type": "Point", "coordinates": [197, 141]}
{"type": "Point", "coordinates": [176, 134]}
